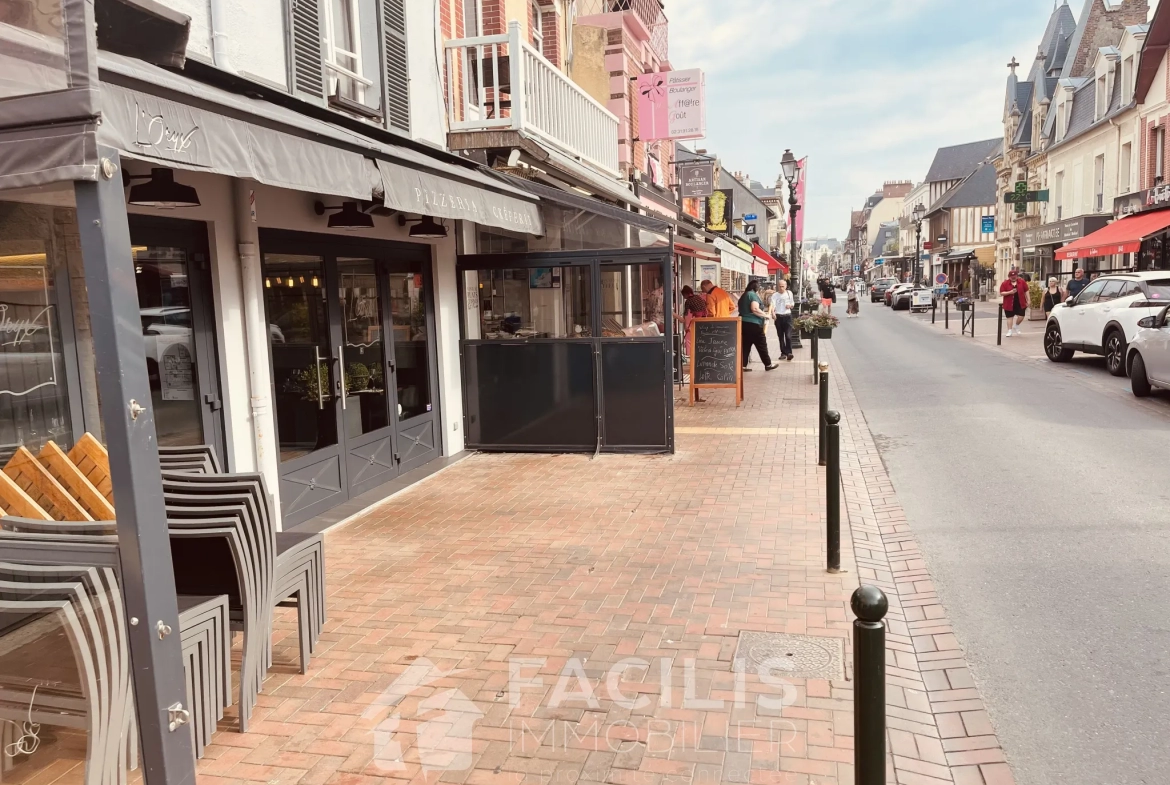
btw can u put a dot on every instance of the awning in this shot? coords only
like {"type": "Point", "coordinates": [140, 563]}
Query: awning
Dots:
{"type": "Point", "coordinates": [186, 124]}
{"type": "Point", "coordinates": [773, 263]}
{"type": "Point", "coordinates": [733, 258]}
{"type": "Point", "coordinates": [685, 246]}
{"type": "Point", "coordinates": [1124, 236]}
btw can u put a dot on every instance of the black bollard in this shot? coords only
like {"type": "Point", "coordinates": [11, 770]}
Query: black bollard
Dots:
{"type": "Point", "coordinates": [869, 686]}
{"type": "Point", "coordinates": [816, 353]}
{"type": "Point", "coordinates": [998, 328]}
{"type": "Point", "coordinates": [933, 308]}
{"type": "Point", "coordinates": [946, 314]}
{"type": "Point", "coordinates": [833, 490]}
{"type": "Point", "coordinates": [824, 369]}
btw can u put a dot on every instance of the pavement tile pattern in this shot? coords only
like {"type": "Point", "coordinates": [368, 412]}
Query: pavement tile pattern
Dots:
{"type": "Point", "coordinates": [522, 619]}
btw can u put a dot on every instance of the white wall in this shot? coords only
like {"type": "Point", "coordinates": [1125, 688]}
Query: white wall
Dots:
{"type": "Point", "coordinates": [424, 50]}
{"type": "Point", "coordinates": [255, 35]}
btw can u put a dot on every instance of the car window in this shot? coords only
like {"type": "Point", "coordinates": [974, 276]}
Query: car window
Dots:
{"type": "Point", "coordinates": [1090, 292]}
{"type": "Point", "coordinates": [1112, 290]}
{"type": "Point", "coordinates": [1130, 288]}
{"type": "Point", "coordinates": [1159, 290]}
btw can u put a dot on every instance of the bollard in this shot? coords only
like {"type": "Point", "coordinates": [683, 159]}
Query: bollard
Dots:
{"type": "Point", "coordinates": [824, 368]}
{"type": "Point", "coordinates": [816, 354]}
{"type": "Point", "coordinates": [946, 314]}
{"type": "Point", "coordinates": [869, 686]}
{"type": "Point", "coordinates": [933, 309]}
{"type": "Point", "coordinates": [833, 490]}
{"type": "Point", "coordinates": [998, 328]}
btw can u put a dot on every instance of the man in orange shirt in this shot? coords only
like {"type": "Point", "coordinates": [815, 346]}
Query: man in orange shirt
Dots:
{"type": "Point", "coordinates": [719, 302]}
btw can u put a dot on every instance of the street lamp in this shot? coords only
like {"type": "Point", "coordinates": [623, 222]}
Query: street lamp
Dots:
{"type": "Point", "coordinates": [918, 214]}
{"type": "Point", "coordinates": [790, 168]}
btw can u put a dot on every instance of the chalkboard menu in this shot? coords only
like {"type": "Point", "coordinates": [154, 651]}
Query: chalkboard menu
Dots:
{"type": "Point", "coordinates": [716, 356]}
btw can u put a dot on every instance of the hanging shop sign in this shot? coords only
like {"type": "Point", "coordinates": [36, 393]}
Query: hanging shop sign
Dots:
{"type": "Point", "coordinates": [1062, 231]}
{"type": "Point", "coordinates": [696, 178]}
{"type": "Point", "coordinates": [1140, 201]}
{"type": "Point", "coordinates": [719, 211]}
{"type": "Point", "coordinates": [671, 105]}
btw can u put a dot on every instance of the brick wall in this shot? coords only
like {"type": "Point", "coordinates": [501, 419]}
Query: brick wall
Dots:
{"type": "Point", "coordinates": [1104, 28]}
{"type": "Point", "coordinates": [495, 20]}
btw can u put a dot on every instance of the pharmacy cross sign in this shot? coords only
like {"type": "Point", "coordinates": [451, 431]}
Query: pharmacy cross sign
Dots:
{"type": "Point", "coordinates": [1021, 197]}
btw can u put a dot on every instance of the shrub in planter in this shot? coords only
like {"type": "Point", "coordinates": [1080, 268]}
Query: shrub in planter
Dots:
{"type": "Point", "coordinates": [357, 378]}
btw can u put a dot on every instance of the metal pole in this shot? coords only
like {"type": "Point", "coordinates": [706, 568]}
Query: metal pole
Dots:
{"type": "Point", "coordinates": [946, 313]}
{"type": "Point", "coordinates": [933, 308]}
{"type": "Point", "coordinates": [833, 490]}
{"type": "Point", "coordinates": [998, 328]}
{"type": "Point", "coordinates": [824, 409]}
{"type": "Point", "coordinates": [144, 546]}
{"type": "Point", "coordinates": [869, 686]}
{"type": "Point", "coordinates": [816, 353]}
{"type": "Point", "coordinates": [795, 269]}
{"type": "Point", "coordinates": [972, 318]}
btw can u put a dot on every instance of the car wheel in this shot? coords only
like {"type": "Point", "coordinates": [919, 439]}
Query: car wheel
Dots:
{"type": "Point", "coordinates": [1138, 381]}
{"type": "Point", "coordinates": [1054, 344]}
{"type": "Point", "coordinates": [1115, 352]}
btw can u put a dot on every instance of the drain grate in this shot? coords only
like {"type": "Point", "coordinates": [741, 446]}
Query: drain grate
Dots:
{"type": "Point", "coordinates": [798, 656]}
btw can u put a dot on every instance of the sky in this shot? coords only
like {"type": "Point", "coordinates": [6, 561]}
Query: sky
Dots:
{"type": "Point", "coordinates": [867, 89]}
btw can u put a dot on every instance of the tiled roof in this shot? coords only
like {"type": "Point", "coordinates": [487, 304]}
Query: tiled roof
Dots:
{"type": "Point", "coordinates": [978, 190]}
{"type": "Point", "coordinates": [955, 163]}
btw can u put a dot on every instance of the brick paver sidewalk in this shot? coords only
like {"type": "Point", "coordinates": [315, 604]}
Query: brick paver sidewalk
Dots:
{"type": "Point", "coordinates": [555, 619]}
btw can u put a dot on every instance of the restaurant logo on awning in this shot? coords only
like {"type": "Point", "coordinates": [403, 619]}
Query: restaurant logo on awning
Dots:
{"type": "Point", "coordinates": [165, 137]}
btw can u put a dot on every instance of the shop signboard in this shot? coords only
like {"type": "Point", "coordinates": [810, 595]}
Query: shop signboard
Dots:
{"type": "Point", "coordinates": [671, 105]}
{"type": "Point", "coordinates": [696, 178]}
{"type": "Point", "coordinates": [1062, 231]}
{"type": "Point", "coordinates": [716, 356]}
{"type": "Point", "coordinates": [987, 224]}
{"type": "Point", "coordinates": [1140, 201]}
{"type": "Point", "coordinates": [719, 211]}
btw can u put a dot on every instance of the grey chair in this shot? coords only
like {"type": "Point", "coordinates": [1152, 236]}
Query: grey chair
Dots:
{"type": "Point", "coordinates": [205, 635]}
{"type": "Point", "coordinates": [199, 459]}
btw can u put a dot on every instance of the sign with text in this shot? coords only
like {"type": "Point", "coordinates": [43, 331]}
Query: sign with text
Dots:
{"type": "Point", "coordinates": [671, 105]}
{"type": "Point", "coordinates": [696, 178]}
{"type": "Point", "coordinates": [716, 352]}
{"type": "Point", "coordinates": [719, 211]}
{"type": "Point", "coordinates": [987, 224]}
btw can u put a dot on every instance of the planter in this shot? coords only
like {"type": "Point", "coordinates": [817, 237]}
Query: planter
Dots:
{"type": "Point", "coordinates": [963, 306]}
{"type": "Point", "coordinates": [806, 334]}
{"type": "Point", "coordinates": [824, 332]}
{"type": "Point", "coordinates": [1037, 315]}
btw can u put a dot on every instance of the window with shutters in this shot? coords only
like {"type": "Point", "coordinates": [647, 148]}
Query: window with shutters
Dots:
{"type": "Point", "coordinates": [395, 63]}
{"type": "Point", "coordinates": [351, 53]}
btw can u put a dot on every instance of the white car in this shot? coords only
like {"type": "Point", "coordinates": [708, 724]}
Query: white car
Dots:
{"type": "Point", "coordinates": [895, 290]}
{"type": "Point", "coordinates": [1103, 318]}
{"type": "Point", "coordinates": [1148, 359]}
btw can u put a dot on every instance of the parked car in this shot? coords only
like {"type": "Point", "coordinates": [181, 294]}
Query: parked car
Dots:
{"type": "Point", "coordinates": [1103, 319]}
{"type": "Point", "coordinates": [1147, 362]}
{"type": "Point", "coordinates": [880, 287]}
{"type": "Point", "coordinates": [895, 290]}
{"type": "Point", "coordinates": [903, 299]}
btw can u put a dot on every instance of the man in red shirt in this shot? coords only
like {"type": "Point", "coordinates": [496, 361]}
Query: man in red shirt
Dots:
{"type": "Point", "coordinates": [1015, 300]}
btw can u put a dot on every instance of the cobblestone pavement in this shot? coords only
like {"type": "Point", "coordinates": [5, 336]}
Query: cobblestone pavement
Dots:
{"type": "Point", "coordinates": [557, 619]}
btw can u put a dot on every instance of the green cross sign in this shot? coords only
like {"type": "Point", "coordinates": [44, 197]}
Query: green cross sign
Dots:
{"type": "Point", "coordinates": [1021, 197]}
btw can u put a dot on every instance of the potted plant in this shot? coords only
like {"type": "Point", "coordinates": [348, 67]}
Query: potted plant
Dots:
{"type": "Point", "coordinates": [824, 324]}
{"type": "Point", "coordinates": [804, 324]}
{"type": "Point", "coordinates": [963, 303]}
{"type": "Point", "coordinates": [1035, 302]}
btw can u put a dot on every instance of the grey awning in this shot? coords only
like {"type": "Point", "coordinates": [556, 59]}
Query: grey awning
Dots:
{"type": "Point", "coordinates": [39, 156]}
{"type": "Point", "coordinates": [156, 115]}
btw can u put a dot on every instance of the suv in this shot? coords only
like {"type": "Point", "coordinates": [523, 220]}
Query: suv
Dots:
{"type": "Point", "coordinates": [1104, 317]}
{"type": "Point", "coordinates": [879, 288]}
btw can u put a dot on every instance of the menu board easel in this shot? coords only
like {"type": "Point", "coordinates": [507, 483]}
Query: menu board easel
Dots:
{"type": "Point", "coordinates": [716, 356]}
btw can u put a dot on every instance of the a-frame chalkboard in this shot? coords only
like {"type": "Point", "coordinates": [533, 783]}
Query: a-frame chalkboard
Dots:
{"type": "Point", "coordinates": [716, 356]}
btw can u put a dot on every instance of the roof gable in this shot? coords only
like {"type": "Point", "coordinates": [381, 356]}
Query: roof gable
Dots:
{"type": "Point", "coordinates": [958, 161]}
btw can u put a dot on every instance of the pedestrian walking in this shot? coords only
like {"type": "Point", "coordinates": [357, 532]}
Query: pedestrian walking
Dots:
{"type": "Point", "coordinates": [1051, 295]}
{"type": "Point", "coordinates": [752, 316]}
{"type": "Point", "coordinates": [1077, 283]}
{"type": "Point", "coordinates": [781, 304]}
{"type": "Point", "coordinates": [1014, 291]}
{"type": "Point", "coordinates": [853, 296]}
{"type": "Point", "coordinates": [828, 296]}
{"type": "Point", "coordinates": [719, 302]}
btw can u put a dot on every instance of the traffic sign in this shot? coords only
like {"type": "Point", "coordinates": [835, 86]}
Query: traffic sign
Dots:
{"type": "Point", "coordinates": [751, 217]}
{"type": "Point", "coordinates": [940, 279]}
{"type": "Point", "coordinates": [857, 268]}
{"type": "Point", "coordinates": [988, 224]}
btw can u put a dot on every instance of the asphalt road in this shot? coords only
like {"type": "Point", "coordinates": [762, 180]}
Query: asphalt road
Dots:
{"type": "Point", "coordinates": [1041, 498]}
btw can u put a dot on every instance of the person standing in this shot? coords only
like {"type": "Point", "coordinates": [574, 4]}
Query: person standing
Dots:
{"type": "Point", "coordinates": [694, 307]}
{"type": "Point", "coordinates": [1051, 296]}
{"type": "Point", "coordinates": [719, 302]}
{"type": "Point", "coordinates": [827, 295]}
{"type": "Point", "coordinates": [781, 309]}
{"type": "Point", "coordinates": [752, 316]}
{"type": "Point", "coordinates": [1014, 291]}
{"type": "Point", "coordinates": [852, 295]}
{"type": "Point", "coordinates": [1077, 283]}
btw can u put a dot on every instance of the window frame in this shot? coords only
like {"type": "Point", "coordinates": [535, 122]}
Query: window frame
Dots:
{"type": "Point", "coordinates": [1089, 292]}
{"type": "Point", "coordinates": [335, 70]}
{"type": "Point", "coordinates": [1159, 153]}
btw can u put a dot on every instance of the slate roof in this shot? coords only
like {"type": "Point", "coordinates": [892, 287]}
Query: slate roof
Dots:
{"type": "Point", "coordinates": [978, 190]}
{"type": "Point", "coordinates": [873, 201]}
{"type": "Point", "coordinates": [1051, 56]}
{"type": "Point", "coordinates": [1084, 109]}
{"type": "Point", "coordinates": [887, 232]}
{"type": "Point", "coordinates": [955, 163]}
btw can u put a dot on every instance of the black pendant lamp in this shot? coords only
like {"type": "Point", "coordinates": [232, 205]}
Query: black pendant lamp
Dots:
{"type": "Point", "coordinates": [160, 190]}
{"type": "Point", "coordinates": [425, 228]}
{"type": "Point", "coordinates": [349, 216]}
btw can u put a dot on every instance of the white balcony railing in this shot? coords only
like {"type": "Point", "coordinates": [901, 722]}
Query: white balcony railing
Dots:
{"type": "Point", "coordinates": [498, 82]}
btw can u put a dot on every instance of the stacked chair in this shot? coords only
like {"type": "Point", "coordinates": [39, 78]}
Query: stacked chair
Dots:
{"type": "Point", "coordinates": [232, 569]}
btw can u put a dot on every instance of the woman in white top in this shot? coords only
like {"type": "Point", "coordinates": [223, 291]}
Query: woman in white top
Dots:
{"type": "Point", "coordinates": [780, 308]}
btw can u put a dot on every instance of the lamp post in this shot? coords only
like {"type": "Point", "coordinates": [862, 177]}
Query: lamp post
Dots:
{"type": "Point", "coordinates": [918, 215]}
{"type": "Point", "coordinates": [791, 170]}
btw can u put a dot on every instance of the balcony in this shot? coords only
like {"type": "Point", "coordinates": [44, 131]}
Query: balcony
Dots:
{"type": "Point", "coordinates": [648, 12]}
{"type": "Point", "coordinates": [501, 83]}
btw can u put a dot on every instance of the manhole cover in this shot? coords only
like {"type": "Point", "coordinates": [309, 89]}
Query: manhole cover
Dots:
{"type": "Point", "coordinates": [798, 656]}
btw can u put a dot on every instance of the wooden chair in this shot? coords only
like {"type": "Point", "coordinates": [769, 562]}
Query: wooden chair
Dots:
{"type": "Point", "coordinates": [90, 456]}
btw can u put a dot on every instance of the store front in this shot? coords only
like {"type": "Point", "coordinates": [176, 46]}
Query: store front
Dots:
{"type": "Point", "coordinates": [736, 265]}
{"type": "Point", "coordinates": [1138, 241]}
{"type": "Point", "coordinates": [1038, 246]}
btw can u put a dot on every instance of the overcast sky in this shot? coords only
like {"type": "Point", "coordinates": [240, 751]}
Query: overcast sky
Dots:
{"type": "Point", "coordinates": [867, 89]}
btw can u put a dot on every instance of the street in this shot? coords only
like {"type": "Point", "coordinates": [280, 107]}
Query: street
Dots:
{"type": "Point", "coordinates": [1039, 496]}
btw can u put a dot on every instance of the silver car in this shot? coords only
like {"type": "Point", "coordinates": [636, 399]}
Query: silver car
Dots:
{"type": "Point", "coordinates": [1148, 360]}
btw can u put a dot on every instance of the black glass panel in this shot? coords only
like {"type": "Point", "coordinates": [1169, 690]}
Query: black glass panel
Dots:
{"type": "Point", "coordinates": [634, 385]}
{"type": "Point", "coordinates": [532, 395]}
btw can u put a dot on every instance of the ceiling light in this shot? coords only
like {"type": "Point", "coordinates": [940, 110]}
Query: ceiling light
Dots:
{"type": "Point", "coordinates": [349, 216]}
{"type": "Point", "coordinates": [425, 228]}
{"type": "Point", "coordinates": [160, 190]}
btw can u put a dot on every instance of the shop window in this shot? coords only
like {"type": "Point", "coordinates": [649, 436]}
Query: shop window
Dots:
{"type": "Point", "coordinates": [536, 302]}
{"type": "Point", "coordinates": [411, 344]}
{"type": "Point", "coordinates": [32, 48]}
{"type": "Point", "coordinates": [632, 301]}
{"type": "Point", "coordinates": [34, 395]}
{"type": "Point", "coordinates": [364, 356]}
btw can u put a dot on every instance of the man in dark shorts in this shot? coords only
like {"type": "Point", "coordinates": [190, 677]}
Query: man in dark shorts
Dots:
{"type": "Point", "coordinates": [1014, 291]}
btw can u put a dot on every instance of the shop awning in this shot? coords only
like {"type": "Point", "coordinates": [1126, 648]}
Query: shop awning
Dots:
{"type": "Point", "coordinates": [686, 246]}
{"type": "Point", "coordinates": [773, 263]}
{"type": "Point", "coordinates": [182, 123]}
{"type": "Point", "coordinates": [1124, 236]}
{"type": "Point", "coordinates": [732, 258]}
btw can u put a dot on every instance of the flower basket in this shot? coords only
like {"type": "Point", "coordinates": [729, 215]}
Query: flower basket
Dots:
{"type": "Point", "coordinates": [824, 332]}
{"type": "Point", "coordinates": [963, 303]}
{"type": "Point", "coordinates": [820, 324]}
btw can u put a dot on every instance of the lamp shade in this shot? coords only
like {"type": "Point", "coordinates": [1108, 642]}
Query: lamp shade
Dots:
{"type": "Point", "coordinates": [350, 217]}
{"type": "Point", "coordinates": [788, 165]}
{"type": "Point", "coordinates": [162, 191]}
{"type": "Point", "coordinates": [428, 228]}
{"type": "Point", "coordinates": [919, 211]}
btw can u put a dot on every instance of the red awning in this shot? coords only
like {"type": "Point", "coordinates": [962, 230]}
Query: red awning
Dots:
{"type": "Point", "coordinates": [764, 256]}
{"type": "Point", "coordinates": [1124, 236]}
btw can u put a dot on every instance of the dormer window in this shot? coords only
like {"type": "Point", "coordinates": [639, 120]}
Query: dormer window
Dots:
{"type": "Point", "coordinates": [1102, 96]}
{"type": "Point", "coordinates": [1061, 120]}
{"type": "Point", "coordinates": [1127, 80]}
